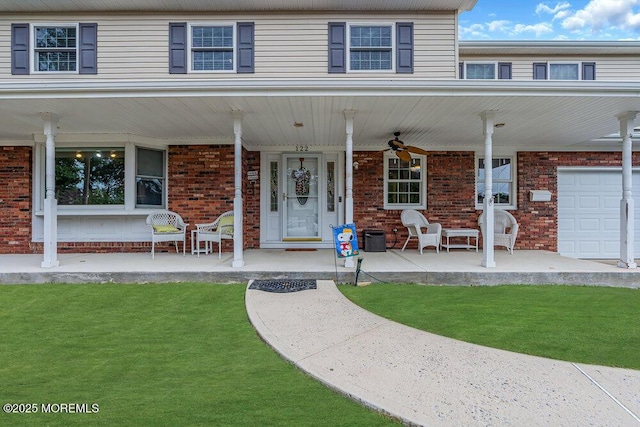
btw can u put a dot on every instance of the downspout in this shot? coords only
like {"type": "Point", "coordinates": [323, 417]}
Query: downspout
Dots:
{"type": "Point", "coordinates": [238, 240]}
{"type": "Point", "coordinates": [627, 226]}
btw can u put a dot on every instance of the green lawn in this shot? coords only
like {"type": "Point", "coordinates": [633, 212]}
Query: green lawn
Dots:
{"type": "Point", "coordinates": [599, 325]}
{"type": "Point", "coordinates": [169, 355]}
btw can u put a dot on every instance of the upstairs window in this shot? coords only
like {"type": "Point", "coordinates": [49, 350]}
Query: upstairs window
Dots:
{"type": "Point", "coordinates": [212, 48]}
{"type": "Point", "coordinates": [54, 48]}
{"type": "Point", "coordinates": [480, 71]}
{"type": "Point", "coordinates": [564, 71]}
{"type": "Point", "coordinates": [370, 47]}
{"type": "Point", "coordinates": [485, 70]}
{"type": "Point", "coordinates": [357, 47]}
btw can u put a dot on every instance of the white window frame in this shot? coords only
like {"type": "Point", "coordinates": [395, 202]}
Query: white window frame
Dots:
{"type": "Point", "coordinates": [32, 46]}
{"type": "Point", "coordinates": [423, 184]}
{"type": "Point", "coordinates": [190, 48]}
{"type": "Point", "coordinates": [129, 207]}
{"type": "Point", "coordinates": [576, 63]}
{"type": "Point", "coordinates": [495, 68]}
{"type": "Point", "coordinates": [513, 188]}
{"type": "Point", "coordinates": [392, 47]}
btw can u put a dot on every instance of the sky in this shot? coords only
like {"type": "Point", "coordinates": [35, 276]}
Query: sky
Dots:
{"type": "Point", "coordinates": [552, 20]}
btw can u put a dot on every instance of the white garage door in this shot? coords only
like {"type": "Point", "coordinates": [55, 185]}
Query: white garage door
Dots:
{"type": "Point", "coordinates": [589, 213]}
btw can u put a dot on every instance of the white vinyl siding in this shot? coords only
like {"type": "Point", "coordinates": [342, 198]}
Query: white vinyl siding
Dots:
{"type": "Point", "coordinates": [285, 44]}
{"type": "Point", "coordinates": [608, 68]}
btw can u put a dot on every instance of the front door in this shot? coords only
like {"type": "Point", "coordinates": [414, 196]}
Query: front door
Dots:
{"type": "Point", "coordinates": [301, 210]}
{"type": "Point", "coordinates": [300, 200]}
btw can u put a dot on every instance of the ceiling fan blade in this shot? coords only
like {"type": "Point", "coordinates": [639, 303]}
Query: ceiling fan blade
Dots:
{"type": "Point", "coordinates": [396, 143]}
{"type": "Point", "coordinates": [416, 150]}
{"type": "Point", "coordinates": [404, 155]}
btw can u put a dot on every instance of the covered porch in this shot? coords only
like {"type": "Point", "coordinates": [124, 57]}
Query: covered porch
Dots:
{"type": "Point", "coordinates": [456, 122]}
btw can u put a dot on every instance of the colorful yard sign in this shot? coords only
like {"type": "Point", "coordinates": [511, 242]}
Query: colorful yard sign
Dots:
{"type": "Point", "coordinates": [346, 240]}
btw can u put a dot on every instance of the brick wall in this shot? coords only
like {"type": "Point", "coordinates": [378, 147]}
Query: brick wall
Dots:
{"type": "Point", "coordinates": [15, 199]}
{"type": "Point", "coordinates": [450, 194]}
{"type": "Point", "coordinates": [201, 186]}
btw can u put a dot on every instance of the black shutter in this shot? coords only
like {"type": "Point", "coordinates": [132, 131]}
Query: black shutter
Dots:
{"type": "Point", "coordinates": [246, 50]}
{"type": "Point", "coordinates": [588, 71]}
{"type": "Point", "coordinates": [404, 47]}
{"type": "Point", "coordinates": [337, 47]}
{"type": "Point", "coordinates": [461, 70]}
{"type": "Point", "coordinates": [504, 70]}
{"type": "Point", "coordinates": [178, 47]}
{"type": "Point", "coordinates": [19, 49]}
{"type": "Point", "coordinates": [88, 52]}
{"type": "Point", "coordinates": [540, 71]}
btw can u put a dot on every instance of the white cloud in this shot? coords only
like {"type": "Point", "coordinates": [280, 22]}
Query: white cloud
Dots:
{"type": "Point", "coordinates": [559, 7]}
{"type": "Point", "coordinates": [502, 25]}
{"type": "Point", "coordinates": [474, 31]}
{"type": "Point", "coordinates": [538, 29]}
{"type": "Point", "coordinates": [604, 15]}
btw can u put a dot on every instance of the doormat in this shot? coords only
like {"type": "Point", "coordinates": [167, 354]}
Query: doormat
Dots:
{"type": "Point", "coordinates": [301, 249]}
{"type": "Point", "coordinates": [282, 286]}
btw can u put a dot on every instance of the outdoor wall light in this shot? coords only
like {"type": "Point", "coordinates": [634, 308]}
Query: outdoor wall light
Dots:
{"type": "Point", "coordinates": [78, 154]}
{"type": "Point", "coordinates": [356, 165]}
{"type": "Point", "coordinates": [98, 154]}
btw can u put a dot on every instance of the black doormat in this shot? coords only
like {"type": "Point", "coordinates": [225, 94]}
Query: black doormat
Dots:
{"type": "Point", "coordinates": [282, 286]}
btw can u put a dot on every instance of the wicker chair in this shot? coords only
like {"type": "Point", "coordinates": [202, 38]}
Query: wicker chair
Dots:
{"type": "Point", "coordinates": [167, 226]}
{"type": "Point", "coordinates": [415, 223]}
{"type": "Point", "coordinates": [215, 232]}
{"type": "Point", "coordinates": [505, 229]}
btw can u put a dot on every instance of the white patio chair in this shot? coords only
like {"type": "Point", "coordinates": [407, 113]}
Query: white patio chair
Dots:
{"type": "Point", "coordinates": [215, 232]}
{"type": "Point", "coordinates": [167, 226]}
{"type": "Point", "coordinates": [428, 234]}
{"type": "Point", "coordinates": [505, 229]}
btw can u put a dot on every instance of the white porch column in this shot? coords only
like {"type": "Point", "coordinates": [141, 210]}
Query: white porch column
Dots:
{"type": "Point", "coordinates": [348, 200]}
{"type": "Point", "coordinates": [238, 210]}
{"type": "Point", "coordinates": [487, 204]}
{"type": "Point", "coordinates": [50, 256]}
{"type": "Point", "coordinates": [627, 226]}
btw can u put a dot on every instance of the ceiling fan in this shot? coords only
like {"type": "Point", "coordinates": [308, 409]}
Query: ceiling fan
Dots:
{"type": "Point", "coordinates": [401, 150]}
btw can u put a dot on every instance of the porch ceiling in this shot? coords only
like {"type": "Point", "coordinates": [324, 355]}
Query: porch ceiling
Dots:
{"type": "Point", "coordinates": [443, 119]}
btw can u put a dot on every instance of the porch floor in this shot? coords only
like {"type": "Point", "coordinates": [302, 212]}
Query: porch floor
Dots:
{"type": "Point", "coordinates": [458, 267]}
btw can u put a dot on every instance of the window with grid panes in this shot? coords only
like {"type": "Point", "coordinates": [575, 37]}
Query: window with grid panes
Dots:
{"type": "Point", "coordinates": [503, 189]}
{"type": "Point", "coordinates": [405, 182]}
{"type": "Point", "coordinates": [370, 47]}
{"type": "Point", "coordinates": [55, 48]}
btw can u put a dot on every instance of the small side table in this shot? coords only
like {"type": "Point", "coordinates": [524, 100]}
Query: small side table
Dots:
{"type": "Point", "coordinates": [199, 249]}
{"type": "Point", "coordinates": [469, 233]}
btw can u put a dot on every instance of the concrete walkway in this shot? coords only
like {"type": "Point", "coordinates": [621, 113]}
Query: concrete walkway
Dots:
{"type": "Point", "coordinates": [426, 379]}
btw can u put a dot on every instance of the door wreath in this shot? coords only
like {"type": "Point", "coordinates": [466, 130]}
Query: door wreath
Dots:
{"type": "Point", "coordinates": [302, 177]}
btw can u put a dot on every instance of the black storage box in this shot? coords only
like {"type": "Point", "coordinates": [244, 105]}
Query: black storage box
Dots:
{"type": "Point", "coordinates": [374, 241]}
